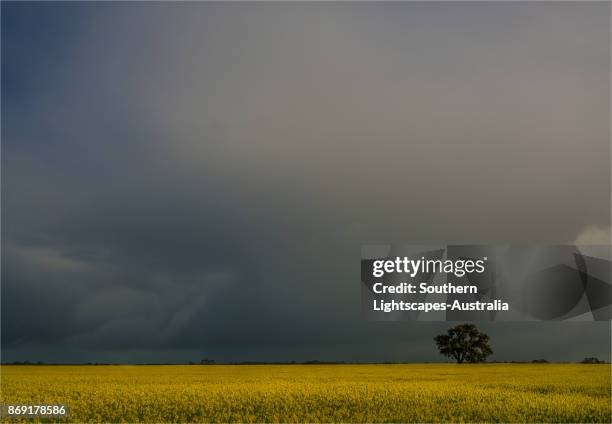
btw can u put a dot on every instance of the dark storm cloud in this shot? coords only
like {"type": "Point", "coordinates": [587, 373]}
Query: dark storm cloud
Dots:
{"type": "Point", "coordinates": [187, 178]}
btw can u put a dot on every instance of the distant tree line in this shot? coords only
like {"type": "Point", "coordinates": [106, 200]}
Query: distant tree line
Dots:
{"type": "Point", "coordinates": [588, 360]}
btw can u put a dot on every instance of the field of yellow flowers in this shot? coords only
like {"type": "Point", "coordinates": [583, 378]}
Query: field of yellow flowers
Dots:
{"type": "Point", "coordinates": [317, 393]}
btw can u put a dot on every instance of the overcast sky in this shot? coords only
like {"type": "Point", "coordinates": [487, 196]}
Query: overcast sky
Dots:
{"type": "Point", "coordinates": [188, 180]}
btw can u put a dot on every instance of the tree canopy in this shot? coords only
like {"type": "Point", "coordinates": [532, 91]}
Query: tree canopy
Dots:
{"type": "Point", "coordinates": [464, 343]}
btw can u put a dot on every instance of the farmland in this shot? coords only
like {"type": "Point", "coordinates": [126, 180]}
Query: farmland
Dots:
{"type": "Point", "coordinates": [317, 393]}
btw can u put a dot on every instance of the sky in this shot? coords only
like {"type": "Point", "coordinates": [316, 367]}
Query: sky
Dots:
{"type": "Point", "coordinates": [194, 180]}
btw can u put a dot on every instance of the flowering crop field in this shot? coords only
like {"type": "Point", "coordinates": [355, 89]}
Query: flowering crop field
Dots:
{"type": "Point", "coordinates": [316, 393]}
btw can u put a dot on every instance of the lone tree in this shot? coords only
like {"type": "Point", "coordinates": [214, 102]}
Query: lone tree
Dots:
{"type": "Point", "coordinates": [464, 343]}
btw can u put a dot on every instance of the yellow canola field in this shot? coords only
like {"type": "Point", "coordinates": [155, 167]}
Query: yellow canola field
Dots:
{"type": "Point", "coordinates": [316, 393]}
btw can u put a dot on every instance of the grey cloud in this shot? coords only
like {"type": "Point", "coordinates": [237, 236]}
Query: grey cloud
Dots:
{"type": "Point", "coordinates": [200, 177]}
